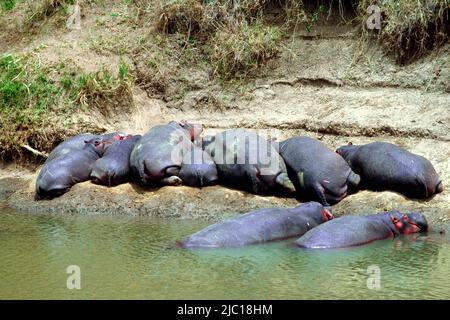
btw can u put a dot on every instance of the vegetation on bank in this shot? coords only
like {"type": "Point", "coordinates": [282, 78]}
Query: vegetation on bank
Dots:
{"type": "Point", "coordinates": [33, 96]}
{"type": "Point", "coordinates": [410, 28]}
{"type": "Point", "coordinates": [217, 41]}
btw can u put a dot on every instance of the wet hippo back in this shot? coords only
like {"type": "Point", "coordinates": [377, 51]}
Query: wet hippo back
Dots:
{"type": "Point", "coordinates": [351, 231]}
{"type": "Point", "coordinates": [259, 226]}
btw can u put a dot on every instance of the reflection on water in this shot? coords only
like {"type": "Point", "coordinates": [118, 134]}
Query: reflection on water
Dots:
{"type": "Point", "coordinates": [136, 258]}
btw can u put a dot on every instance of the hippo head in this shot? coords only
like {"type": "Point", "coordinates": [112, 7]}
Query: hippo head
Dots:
{"type": "Point", "coordinates": [347, 151]}
{"type": "Point", "coordinates": [121, 136]}
{"type": "Point", "coordinates": [99, 145]}
{"type": "Point", "coordinates": [409, 223]}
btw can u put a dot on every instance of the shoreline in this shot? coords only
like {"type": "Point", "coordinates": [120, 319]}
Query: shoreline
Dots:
{"type": "Point", "coordinates": [213, 203]}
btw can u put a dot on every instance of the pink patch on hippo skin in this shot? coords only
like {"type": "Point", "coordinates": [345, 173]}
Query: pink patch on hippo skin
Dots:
{"type": "Point", "coordinates": [326, 215]}
{"type": "Point", "coordinates": [326, 181]}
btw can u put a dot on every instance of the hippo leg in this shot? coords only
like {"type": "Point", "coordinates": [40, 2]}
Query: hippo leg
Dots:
{"type": "Point", "coordinates": [320, 193]}
{"type": "Point", "coordinates": [172, 171]}
{"type": "Point", "coordinates": [172, 181]}
{"type": "Point", "coordinates": [284, 181]}
{"type": "Point", "coordinates": [254, 181]}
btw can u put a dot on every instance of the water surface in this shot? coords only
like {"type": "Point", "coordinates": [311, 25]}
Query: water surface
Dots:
{"type": "Point", "coordinates": [136, 258]}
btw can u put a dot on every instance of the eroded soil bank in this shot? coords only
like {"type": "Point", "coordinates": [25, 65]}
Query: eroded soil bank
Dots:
{"type": "Point", "coordinates": [326, 84]}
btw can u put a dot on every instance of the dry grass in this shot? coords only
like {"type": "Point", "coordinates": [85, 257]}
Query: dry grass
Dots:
{"type": "Point", "coordinates": [411, 28]}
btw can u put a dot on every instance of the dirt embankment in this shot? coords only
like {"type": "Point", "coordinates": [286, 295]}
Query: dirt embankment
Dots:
{"type": "Point", "coordinates": [326, 84]}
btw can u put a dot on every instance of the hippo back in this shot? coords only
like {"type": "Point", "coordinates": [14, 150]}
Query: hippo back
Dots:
{"type": "Point", "coordinates": [348, 231]}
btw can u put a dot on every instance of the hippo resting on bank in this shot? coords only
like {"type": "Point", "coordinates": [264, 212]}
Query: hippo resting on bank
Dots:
{"type": "Point", "coordinates": [60, 174]}
{"type": "Point", "coordinates": [351, 231]}
{"type": "Point", "coordinates": [158, 156]}
{"type": "Point", "coordinates": [246, 160]}
{"type": "Point", "coordinates": [78, 142]}
{"type": "Point", "coordinates": [198, 168]}
{"type": "Point", "coordinates": [316, 171]}
{"type": "Point", "coordinates": [113, 167]}
{"type": "Point", "coordinates": [385, 166]}
{"type": "Point", "coordinates": [260, 226]}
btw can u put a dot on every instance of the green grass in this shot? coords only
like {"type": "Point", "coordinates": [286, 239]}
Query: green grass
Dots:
{"type": "Point", "coordinates": [7, 5]}
{"type": "Point", "coordinates": [30, 94]}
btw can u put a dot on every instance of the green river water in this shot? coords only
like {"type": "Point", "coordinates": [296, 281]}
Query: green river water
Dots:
{"type": "Point", "coordinates": [136, 258]}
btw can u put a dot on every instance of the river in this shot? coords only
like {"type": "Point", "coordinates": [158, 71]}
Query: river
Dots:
{"type": "Point", "coordinates": [137, 258]}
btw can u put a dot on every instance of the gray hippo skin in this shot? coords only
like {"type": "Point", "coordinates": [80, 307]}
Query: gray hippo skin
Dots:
{"type": "Point", "coordinates": [198, 168]}
{"type": "Point", "coordinates": [78, 142]}
{"type": "Point", "coordinates": [351, 231]}
{"type": "Point", "coordinates": [260, 226]}
{"type": "Point", "coordinates": [60, 174]}
{"type": "Point", "coordinates": [385, 166]}
{"type": "Point", "coordinates": [248, 161]}
{"type": "Point", "coordinates": [113, 167]}
{"type": "Point", "coordinates": [317, 172]}
{"type": "Point", "coordinates": [158, 156]}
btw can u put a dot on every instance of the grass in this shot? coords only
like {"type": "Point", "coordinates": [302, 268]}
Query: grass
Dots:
{"type": "Point", "coordinates": [411, 28]}
{"type": "Point", "coordinates": [7, 5]}
{"type": "Point", "coordinates": [230, 36]}
{"type": "Point", "coordinates": [243, 50]}
{"type": "Point", "coordinates": [32, 95]}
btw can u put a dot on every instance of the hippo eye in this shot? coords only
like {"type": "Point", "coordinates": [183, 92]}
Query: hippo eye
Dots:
{"type": "Point", "coordinates": [405, 217]}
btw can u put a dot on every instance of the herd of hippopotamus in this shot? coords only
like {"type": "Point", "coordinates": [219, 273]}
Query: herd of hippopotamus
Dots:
{"type": "Point", "coordinates": [174, 154]}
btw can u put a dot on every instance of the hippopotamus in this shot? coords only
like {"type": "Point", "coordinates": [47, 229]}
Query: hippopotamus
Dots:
{"type": "Point", "coordinates": [260, 226]}
{"type": "Point", "coordinates": [316, 171]}
{"type": "Point", "coordinates": [78, 142]}
{"type": "Point", "coordinates": [60, 174]}
{"type": "Point", "coordinates": [348, 231]}
{"type": "Point", "coordinates": [248, 161]}
{"type": "Point", "coordinates": [385, 166]}
{"type": "Point", "coordinates": [198, 168]}
{"type": "Point", "coordinates": [113, 167]}
{"type": "Point", "coordinates": [158, 156]}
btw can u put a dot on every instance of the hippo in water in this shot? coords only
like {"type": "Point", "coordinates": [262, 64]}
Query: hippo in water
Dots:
{"type": "Point", "coordinates": [248, 161]}
{"type": "Point", "coordinates": [351, 231]}
{"type": "Point", "coordinates": [260, 226]}
{"type": "Point", "coordinates": [60, 174]}
{"type": "Point", "coordinates": [385, 166]}
{"type": "Point", "coordinates": [113, 167]}
{"type": "Point", "coordinates": [316, 171]}
{"type": "Point", "coordinates": [158, 156]}
{"type": "Point", "coordinates": [198, 168]}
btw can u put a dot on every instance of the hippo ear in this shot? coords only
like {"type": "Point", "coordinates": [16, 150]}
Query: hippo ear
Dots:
{"type": "Point", "coordinates": [350, 143]}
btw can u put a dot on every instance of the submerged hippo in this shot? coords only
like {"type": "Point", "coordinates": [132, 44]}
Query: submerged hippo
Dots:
{"type": "Point", "coordinates": [198, 168]}
{"type": "Point", "coordinates": [260, 226]}
{"type": "Point", "coordinates": [60, 174]}
{"type": "Point", "coordinates": [385, 166]}
{"type": "Point", "coordinates": [113, 167]}
{"type": "Point", "coordinates": [158, 156]}
{"type": "Point", "coordinates": [350, 231]}
{"type": "Point", "coordinates": [248, 161]}
{"type": "Point", "coordinates": [316, 171]}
